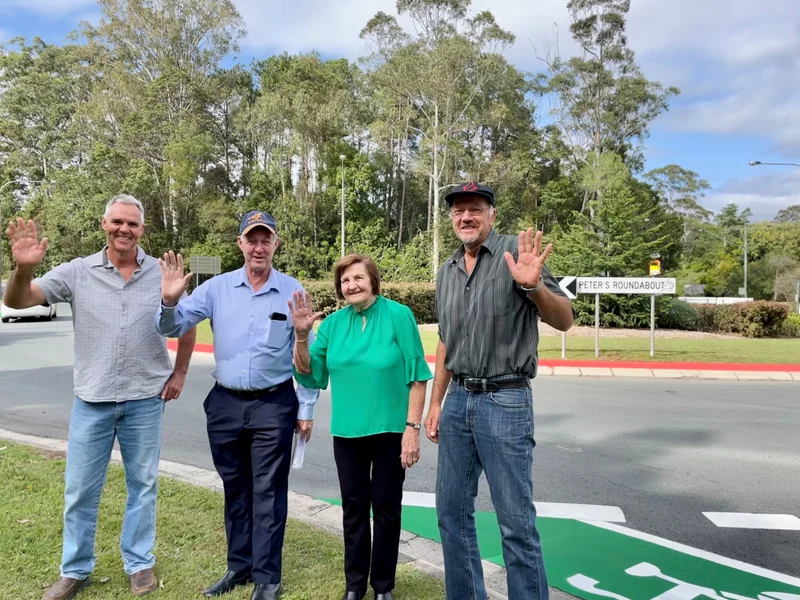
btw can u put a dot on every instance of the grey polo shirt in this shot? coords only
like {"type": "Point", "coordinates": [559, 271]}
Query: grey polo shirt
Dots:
{"type": "Point", "coordinates": [119, 355]}
{"type": "Point", "coordinates": [488, 326]}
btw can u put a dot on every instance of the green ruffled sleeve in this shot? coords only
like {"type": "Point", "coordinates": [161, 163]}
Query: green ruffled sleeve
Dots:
{"type": "Point", "coordinates": [410, 343]}
{"type": "Point", "coordinates": [318, 379]}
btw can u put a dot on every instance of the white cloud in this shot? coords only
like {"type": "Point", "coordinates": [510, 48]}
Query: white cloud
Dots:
{"type": "Point", "coordinates": [765, 194]}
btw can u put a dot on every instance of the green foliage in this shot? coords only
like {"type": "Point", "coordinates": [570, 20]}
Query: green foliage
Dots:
{"type": "Point", "coordinates": [751, 319]}
{"type": "Point", "coordinates": [791, 327]}
{"type": "Point", "coordinates": [419, 297]}
{"type": "Point", "coordinates": [675, 314]}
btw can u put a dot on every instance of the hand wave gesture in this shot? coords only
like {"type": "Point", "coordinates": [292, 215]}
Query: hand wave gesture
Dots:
{"type": "Point", "coordinates": [527, 270]}
{"type": "Point", "coordinates": [303, 315]}
{"type": "Point", "coordinates": [25, 247]}
{"type": "Point", "coordinates": [173, 281]}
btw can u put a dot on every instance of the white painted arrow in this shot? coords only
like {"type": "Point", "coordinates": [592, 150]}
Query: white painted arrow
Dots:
{"type": "Point", "coordinates": [554, 510]}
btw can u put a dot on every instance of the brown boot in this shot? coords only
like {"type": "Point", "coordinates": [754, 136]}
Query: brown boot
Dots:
{"type": "Point", "coordinates": [65, 588]}
{"type": "Point", "coordinates": [143, 582]}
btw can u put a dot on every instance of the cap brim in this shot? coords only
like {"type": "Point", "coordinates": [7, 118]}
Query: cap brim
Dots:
{"type": "Point", "coordinates": [450, 198]}
{"type": "Point", "coordinates": [250, 228]}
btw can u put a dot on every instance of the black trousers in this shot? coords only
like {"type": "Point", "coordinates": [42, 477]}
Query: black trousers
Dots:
{"type": "Point", "coordinates": [370, 475]}
{"type": "Point", "coordinates": [251, 444]}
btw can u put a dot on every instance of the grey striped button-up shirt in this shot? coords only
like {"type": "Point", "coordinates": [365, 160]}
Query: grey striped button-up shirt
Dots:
{"type": "Point", "coordinates": [488, 325]}
{"type": "Point", "coordinates": [119, 355]}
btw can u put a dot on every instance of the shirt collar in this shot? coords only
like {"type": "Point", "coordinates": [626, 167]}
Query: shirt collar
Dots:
{"type": "Point", "coordinates": [273, 282]}
{"type": "Point", "coordinates": [491, 243]}
{"type": "Point", "coordinates": [101, 258]}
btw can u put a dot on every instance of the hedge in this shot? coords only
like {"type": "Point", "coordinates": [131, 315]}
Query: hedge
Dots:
{"type": "Point", "coordinates": [751, 319]}
{"type": "Point", "coordinates": [419, 297]}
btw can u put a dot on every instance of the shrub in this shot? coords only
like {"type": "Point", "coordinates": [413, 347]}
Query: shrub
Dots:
{"type": "Point", "coordinates": [752, 319]}
{"type": "Point", "coordinates": [676, 314]}
{"type": "Point", "coordinates": [419, 297]}
{"type": "Point", "coordinates": [791, 327]}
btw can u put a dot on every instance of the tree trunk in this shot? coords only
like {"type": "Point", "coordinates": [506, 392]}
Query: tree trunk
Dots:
{"type": "Point", "coordinates": [404, 150]}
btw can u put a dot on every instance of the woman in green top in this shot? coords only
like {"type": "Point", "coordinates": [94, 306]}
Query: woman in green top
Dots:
{"type": "Point", "coordinates": [372, 353]}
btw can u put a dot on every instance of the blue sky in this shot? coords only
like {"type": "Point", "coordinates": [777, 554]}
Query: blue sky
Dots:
{"type": "Point", "coordinates": [736, 62]}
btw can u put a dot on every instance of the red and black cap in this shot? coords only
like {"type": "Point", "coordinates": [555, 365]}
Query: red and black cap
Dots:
{"type": "Point", "coordinates": [470, 188]}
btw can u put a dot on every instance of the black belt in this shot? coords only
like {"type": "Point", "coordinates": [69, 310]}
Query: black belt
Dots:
{"type": "Point", "coordinates": [253, 394]}
{"type": "Point", "coordinates": [491, 384]}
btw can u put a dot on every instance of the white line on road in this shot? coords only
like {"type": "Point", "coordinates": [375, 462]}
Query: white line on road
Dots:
{"type": "Point", "coordinates": [696, 552]}
{"type": "Point", "coordinates": [554, 510]}
{"type": "Point", "coordinates": [753, 521]}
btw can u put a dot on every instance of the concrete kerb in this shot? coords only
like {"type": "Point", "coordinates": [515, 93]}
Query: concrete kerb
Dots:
{"type": "Point", "coordinates": [638, 370]}
{"type": "Point", "coordinates": [420, 553]}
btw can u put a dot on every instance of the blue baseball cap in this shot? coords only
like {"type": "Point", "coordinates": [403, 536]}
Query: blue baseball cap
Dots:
{"type": "Point", "coordinates": [257, 218]}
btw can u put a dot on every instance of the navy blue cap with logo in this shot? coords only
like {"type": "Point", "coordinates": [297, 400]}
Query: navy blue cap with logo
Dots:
{"type": "Point", "coordinates": [257, 218]}
{"type": "Point", "coordinates": [470, 188]}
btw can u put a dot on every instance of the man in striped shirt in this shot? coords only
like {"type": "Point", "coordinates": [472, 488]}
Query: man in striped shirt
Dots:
{"type": "Point", "coordinates": [490, 295]}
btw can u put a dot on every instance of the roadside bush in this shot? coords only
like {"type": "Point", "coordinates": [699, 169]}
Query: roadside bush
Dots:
{"type": "Point", "coordinates": [676, 314]}
{"type": "Point", "coordinates": [751, 319]}
{"type": "Point", "coordinates": [419, 297]}
{"type": "Point", "coordinates": [791, 327]}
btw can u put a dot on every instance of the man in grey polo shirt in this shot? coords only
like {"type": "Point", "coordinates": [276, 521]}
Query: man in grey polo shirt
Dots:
{"type": "Point", "coordinates": [489, 296]}
{"type": "Point", "coordinates": [122, 379]}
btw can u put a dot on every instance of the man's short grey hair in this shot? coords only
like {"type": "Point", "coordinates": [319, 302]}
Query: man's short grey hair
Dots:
{"type": "Point", "coordinates": [124, 199]}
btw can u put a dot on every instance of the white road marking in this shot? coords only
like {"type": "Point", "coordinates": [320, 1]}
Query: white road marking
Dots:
{"type": "Point", "coordinates": [753, 521]}
{"type": "Point", "coordinates": [696, 552]}
{"type": "Point", "coordinates": [554, 510]}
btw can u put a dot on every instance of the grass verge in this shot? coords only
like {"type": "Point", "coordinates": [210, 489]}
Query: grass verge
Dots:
{"type": "Point", "coordinates": [712, 350]}
{"type": "Point", "coordinates": [190, 548]}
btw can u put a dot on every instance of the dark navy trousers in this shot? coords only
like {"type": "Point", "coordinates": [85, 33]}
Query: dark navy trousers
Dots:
{"type": "Point", "coordinates": [250, 435]}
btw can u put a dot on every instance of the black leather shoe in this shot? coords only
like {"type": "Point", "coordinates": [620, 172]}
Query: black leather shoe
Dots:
{"type": "Point", "coordinates": [226, 584]}
{"type": "Point", "coordinates": [384, 596]}
{"type": "Point", "coordinates": [266, 591]}
{"type": "Point", "coordinates": [354, 596]}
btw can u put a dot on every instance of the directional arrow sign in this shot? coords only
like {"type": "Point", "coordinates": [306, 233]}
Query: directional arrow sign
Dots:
{"type": "Point", "coordinates": [569, 285]}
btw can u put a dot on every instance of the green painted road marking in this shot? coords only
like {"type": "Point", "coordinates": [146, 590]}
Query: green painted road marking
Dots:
{"type": "Point", "coordinates": [594, 560]}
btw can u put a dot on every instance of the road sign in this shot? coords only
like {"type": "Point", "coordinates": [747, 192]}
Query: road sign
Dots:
{"type": "Point", "coordinates": [626, 285]}
{"type": "Point", "coordinates": [655, 268]}
{"type": "Point", "coordinates": [569, 285]}
{"type": "Point", "coordinates": [205, 265]}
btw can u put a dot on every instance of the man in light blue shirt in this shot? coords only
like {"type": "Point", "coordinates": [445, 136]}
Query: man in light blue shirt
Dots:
{"type": "Point", "coordinates": [253, 410]}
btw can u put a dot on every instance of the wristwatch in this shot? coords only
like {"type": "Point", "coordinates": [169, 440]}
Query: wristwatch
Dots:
{"type": "Point", "coordinates": [532, 290]}
{"type": "Point", "coordinates": [414, 425]}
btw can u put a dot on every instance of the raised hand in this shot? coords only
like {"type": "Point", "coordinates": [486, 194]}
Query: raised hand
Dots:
{"type": "Point", "coordinates": [303, 315]}
{"type": "Point", "coordinates": [527, 270]}
{"type": "Point", "coordinates": [26, 248]}
{"type": "Point", "coordinates": [173, 281]}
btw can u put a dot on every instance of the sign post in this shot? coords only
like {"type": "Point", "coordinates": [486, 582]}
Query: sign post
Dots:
{"type": "Point", "coordinates": [597, 325]}
{"type": "Point", "coordinates": [652, 326]}
{"type": "Point", "coordinates": [204, 265]}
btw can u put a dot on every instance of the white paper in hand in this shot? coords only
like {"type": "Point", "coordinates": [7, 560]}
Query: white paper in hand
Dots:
{"type": "Point", "coordinates": [298, 451]}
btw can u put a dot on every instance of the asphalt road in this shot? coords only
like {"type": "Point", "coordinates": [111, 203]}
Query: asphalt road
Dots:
{"type": "Point", "coordinates": [664, 451]}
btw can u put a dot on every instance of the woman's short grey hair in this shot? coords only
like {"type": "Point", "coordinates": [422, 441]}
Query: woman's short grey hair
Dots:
{"type": "Point", "coordinates": [124, 199]}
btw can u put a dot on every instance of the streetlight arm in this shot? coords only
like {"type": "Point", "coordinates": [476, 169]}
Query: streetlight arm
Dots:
{"type": "Point", "coordinates": [756, 163]}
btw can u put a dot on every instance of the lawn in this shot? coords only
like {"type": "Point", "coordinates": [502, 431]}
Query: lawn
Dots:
{"type": "Point", "coordinates": [190, 548]}
{"type": "Point", "coordinates": [714, 350]}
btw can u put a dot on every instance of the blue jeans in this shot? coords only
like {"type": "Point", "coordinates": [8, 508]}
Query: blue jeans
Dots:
{"type": "Point", "coordinates": [92, 429]}
{"type": "Point", "coordinates": [491, 432]}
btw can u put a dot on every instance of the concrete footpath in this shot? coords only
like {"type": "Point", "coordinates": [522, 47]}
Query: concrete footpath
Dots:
{"type": "Point", "coordinates": [550, 367]}
{"type": "Point", "coordinates": [420, 553]}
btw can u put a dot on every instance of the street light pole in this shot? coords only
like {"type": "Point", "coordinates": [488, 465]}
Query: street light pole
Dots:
{"type": "Point", "coordinates": [341, 157]}
{"type": "Point", "coordinates": [756, 163]}
{"type": "Point", "coordinates": [2, 187]}
{"type": "Point", "coordinates": [745, 260]}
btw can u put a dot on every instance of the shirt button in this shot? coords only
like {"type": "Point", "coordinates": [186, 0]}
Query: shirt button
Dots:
{"type": "Point", "coordinates": [467, 288]}
{"type": "Point", "coordinates": [251, 333]}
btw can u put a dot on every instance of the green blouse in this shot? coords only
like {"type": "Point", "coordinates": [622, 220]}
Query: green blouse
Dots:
{"type": "Point", "coordinates": [371, 358]}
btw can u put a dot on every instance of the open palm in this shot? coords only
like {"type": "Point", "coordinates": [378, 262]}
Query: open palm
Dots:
{"type": "Point", "coordinates": [25, 245]}
{"type": "Point", "coordinates": [173, 280]}
{"type": "Point", "coordinates": [303, 315]}
{"type": "Point", "coordinates": [527, 270]}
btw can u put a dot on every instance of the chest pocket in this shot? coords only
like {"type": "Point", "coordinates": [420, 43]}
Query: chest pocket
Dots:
{"type": "Point", "coordinates": [279, 332]}
{"type": "Point", "coordinates": [497, 297]}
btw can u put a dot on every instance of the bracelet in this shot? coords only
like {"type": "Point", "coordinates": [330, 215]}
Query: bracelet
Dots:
{"type": "Point", "coordinates": [303, 341]}
{"type": "Point", "coordinates": [534, 289]}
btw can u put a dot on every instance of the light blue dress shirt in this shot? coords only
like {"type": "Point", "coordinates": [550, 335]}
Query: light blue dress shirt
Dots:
{"type": "Point", "coordinates": [252, 348]}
